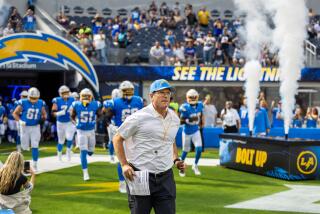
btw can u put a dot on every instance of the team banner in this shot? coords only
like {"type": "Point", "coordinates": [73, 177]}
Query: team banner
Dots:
{"type": "Point", "coordinates": [278, 158]}
{"type": "Point", "coordinates": [199, 73]}
{"type": "Point", "coordinates": [42, 47]}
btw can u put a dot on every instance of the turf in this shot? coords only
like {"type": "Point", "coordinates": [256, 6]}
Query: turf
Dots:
{"type": "Point", "coordinates": [46, 149]}
{"type": "Point", "coordinates": [64, 191]}
{"type": "Point", "coordinates": [60, 191]}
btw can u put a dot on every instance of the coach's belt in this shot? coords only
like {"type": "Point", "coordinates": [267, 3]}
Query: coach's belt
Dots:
{"type": "Point", "coordinates": [159, 174]}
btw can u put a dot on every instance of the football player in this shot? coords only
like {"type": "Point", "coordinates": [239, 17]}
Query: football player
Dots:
{"type": "Point", "coordinates": [111, 127]}
{"type": "Point", "coordinates": [120, 109]}
{"type": "Point", "coordinates": [83, 113]}
{"type": "Point", "coordinates": [3, 114]}
{"type": "Point", "coordinates": [65, 129]}
{"type": "Point", "coordinates": [75, 95]}
{"type": "Point", "coordinates": [23, 95]}
{"type": "Point", "coordinates": [12, 125]}
{"type": "Point", "coordinates": [243, 112]}
{"type": "Point", "coordinates": [191, 115]}
{"type": "Point", "coordinates": [30, 113]}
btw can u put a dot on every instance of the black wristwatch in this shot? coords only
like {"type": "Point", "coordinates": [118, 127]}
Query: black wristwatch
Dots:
{"type": "Point", "coordinates": [175, 160]}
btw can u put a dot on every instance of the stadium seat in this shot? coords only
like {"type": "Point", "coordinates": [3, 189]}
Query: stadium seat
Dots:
{"type": "Point", "coordinates": [228, 14]}
{"type": "Point", "coordinates": [122, 12]}
{"type": "Point", "coordinates": [107, 12]}
{"type": "Point", "coordinates": [66, 9]}
{"type": "Point", "coordinates": [78, 10]}
{"type": "Point", "coordinates": [92, 11]}
{"type": "Point", "coordinates": [215, 13]}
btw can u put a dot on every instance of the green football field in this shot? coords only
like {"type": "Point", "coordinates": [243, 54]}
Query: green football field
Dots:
{"type": "Point", "coordinates": [64, 191]}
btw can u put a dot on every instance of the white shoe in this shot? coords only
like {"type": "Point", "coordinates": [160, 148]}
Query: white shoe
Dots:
{"type": "Point", "coordinates": [196, 169]}
{"type": "Point", "coordinates": [182, 173]}
{"type": "Point", "coordinates": [35, 166]}
{"type": "Point", "coordinates": [86, 176]}
{"type": "Point", "coordinates": [69, 154]}
{"type": "Point", "coordinates": [59, 156]}
{"type": "Point", "coordinates": [112, 159]}
{"type": "Point", "coordinates": [122, 187]}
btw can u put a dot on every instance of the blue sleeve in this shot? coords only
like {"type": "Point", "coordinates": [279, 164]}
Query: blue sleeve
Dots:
{"type": "Point", "coordinates": [73, 105]}
{"type": "Point", "coordinates": [54, 100]}
{"type": "Point", "coordinates": [183, 111]}
{"type": "Point", "coordinates": [20, 103]}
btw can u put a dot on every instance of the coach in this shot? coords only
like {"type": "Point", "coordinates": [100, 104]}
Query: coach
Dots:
{"type": "Point", "coordinates": [152, 131]}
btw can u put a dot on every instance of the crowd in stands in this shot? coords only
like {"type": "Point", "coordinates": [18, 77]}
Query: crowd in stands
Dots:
{"type": "Point", "coordinates": [187, 37]}
{"type": "Point", "coordinates": [313, 29]}
{"type": "Point", "coordinates": [16, 23]}
{"type": "Point", "coordinates": [309, 118]}
{"type": "Point", "coordinates": [314, 25]}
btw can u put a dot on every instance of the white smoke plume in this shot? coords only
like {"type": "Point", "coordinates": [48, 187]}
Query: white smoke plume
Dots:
{"type": "Point", "coordinates": [255, 33]}
{"type": "Point", "coordinates": [290, 18]}
{"type": "Point", "coordinates": [252, 87]}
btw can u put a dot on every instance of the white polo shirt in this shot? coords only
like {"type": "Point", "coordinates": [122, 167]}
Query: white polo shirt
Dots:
{"type": "Point", "coordinates": [231, 117]}
{"type": "Point", "coordinates": [149, 139]}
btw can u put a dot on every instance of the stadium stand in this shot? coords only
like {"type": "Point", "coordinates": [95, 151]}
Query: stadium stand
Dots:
{"type": "Point", "coordinates": [136, 28]}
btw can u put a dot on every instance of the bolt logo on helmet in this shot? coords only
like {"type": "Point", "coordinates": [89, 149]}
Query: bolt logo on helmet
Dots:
{"type": "Point", "coordinates": [86, 96]}
{"type": "Point", "coordinates": [127, 89]}
{"type": "Point", "coordinates": [115, 93]}
{"type": "Point", "coordinates": [64, 92]}
{"type": "Point", "coordinates": [33, 94]}
{"type": "Point", "coordinates": [192, 97]}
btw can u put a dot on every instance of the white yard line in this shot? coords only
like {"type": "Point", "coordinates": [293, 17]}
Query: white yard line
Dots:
{"type": "Point", "coordinates": [300, 198]}
{"type": "Point", "coordinates": [52, 163]}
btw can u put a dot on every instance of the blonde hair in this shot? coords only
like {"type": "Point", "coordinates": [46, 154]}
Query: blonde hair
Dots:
{"type": "Point", "coordinates": [11, 171]}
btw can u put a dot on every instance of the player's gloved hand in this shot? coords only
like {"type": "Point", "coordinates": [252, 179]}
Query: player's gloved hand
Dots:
{"type": "Point", "coordinates": [22, 123]}
{"type": "Point", "coordinates": [61, 113]}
